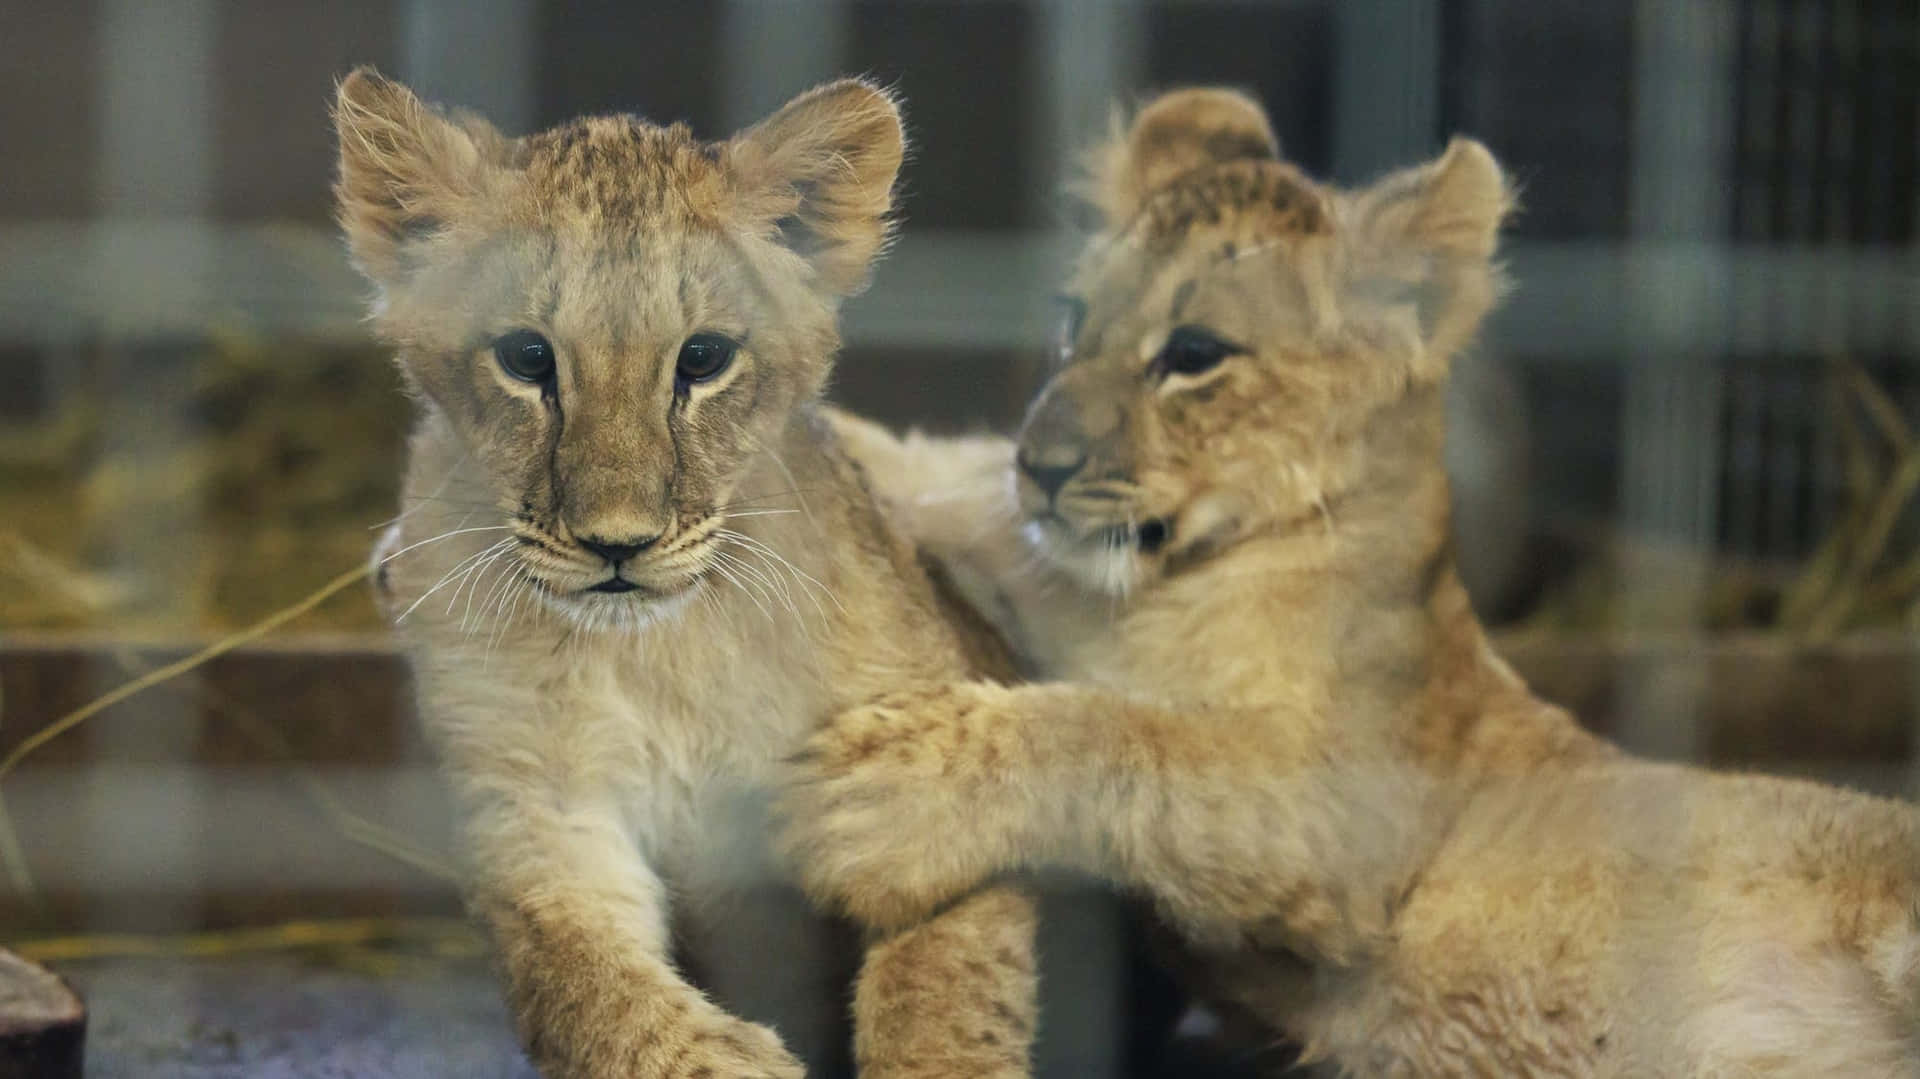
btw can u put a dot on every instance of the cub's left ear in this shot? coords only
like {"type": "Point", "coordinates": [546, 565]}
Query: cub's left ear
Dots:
{"type": "Point", "coordinates": [819, 173]}
{"type": "Point", "coordinates": [1428, 235]}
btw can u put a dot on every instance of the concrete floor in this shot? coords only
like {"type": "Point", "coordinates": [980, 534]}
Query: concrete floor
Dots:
{"type": "Point", "coordinates": [361, 1014]}
{"type": "Point", "coordinates": [282, 1018]}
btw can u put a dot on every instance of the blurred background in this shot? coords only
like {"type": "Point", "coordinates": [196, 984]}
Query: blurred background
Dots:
{"type": "Point", "coordinates": [1685, 455]}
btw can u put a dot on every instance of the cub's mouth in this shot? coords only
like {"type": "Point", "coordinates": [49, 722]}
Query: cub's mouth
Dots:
{"type": "Point", "coordinates": [1110, 557]}
{"type": "Point", "coordinates": [624, 584]}
{"type": "Point", "coordinates": [1148, 537]}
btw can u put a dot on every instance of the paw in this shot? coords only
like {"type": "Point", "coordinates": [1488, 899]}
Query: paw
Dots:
{"type": "Point", "coordinates": [887, 818]}
{"type": "Point", "coordinates": [723, 1047]}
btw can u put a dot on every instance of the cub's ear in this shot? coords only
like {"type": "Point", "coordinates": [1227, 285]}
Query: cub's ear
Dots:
{"type": "Point", "coordinates": [1429, 234]}
{"type": "Point", "coordinates": [1175, 133]}
{"type": "Point", "coordinates": [819, 174]}
{"type": "Point", "coordinates": [404, 169]}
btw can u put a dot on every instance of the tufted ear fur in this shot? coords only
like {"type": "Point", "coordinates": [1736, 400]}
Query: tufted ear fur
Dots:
{"type": "Point", "coordinates": [820, 174]}
{"type": "Point", "coordinates": [1428, 235]}
{"type": "Point", "coordinates": [405, 169]}
{"type": "Point", "coordinates": [1176, 133]}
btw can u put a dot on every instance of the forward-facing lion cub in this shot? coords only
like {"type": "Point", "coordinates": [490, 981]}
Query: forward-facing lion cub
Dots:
{"type": "Point", "coordinates": [634, 572]}
{"type": "Point", "coordinates": [1291, 733]}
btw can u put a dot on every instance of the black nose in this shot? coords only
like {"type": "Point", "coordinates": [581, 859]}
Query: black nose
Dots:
{"type": "Point", "coordinates": [617, 551]}
{"type": "Point", "coordinates": [1051, 468]}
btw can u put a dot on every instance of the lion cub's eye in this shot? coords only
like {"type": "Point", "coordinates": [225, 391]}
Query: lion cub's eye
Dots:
{"type": "Point", "coordinates": [525, 355]}
{"type": "Point", "coordinates": [1191, 350]}
{"type": "Point", "coordinates": [702, 357]}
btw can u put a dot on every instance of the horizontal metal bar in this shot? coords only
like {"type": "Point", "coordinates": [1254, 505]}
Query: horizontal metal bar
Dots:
{"type": "Point", "coordinates": [67, 282]}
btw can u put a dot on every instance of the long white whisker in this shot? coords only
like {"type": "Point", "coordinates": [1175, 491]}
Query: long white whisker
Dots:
{"type": "Point", "coordinates": [732, 568]}
{"type": "Point", "coordinates": [711, 597]}
{"type": "Point", "coordinates": [783, 572]}
{"type": "Point", "coordinates": [803, 575]}
{"type": "Point", "coordinates": [470, 586]}
{"type": "Point", "coordinates": [788, 472]}
{"type": "Point", "coordinates": [452, 574]}
{"type": "Point", "coordinates": [507, 607]}
{"type": "Point", "coordinates": [730, 575]}
{"type": "Point", "coordinates": [764, 572]}
{"type": "Point", "coordinates": [501, 582]}
{"type": "Point", "coordinates": [441, 536]}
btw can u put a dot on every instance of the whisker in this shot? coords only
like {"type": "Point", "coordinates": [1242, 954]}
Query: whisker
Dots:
{"type": "Point", "coordinates": [764, 573]}
{"type": "Point", "coordinates": [472, 585]}
{"type": "Point", "coordinates": [506, 608]}
{"type": "Point", "coordinates": [754, 500]}
{"type": "Point", "coordinates": [788, 472]}
{"type": "Point", "coordinates": [501, 582]}
{"type": "Point", "coordinates": [444, 535]}
{"type": "Point", "coordinates": [746, 577]}
{"type": "Point", "coordinates": [451, 574]}
{"type": "Point", "coordinates": [720, 567]}
{"type": "Point", "coordinates": [711, 597]}
{"type": "Point", "coordinates": [783, 572]}
{"type": "Point", "coordinates": [803, 575]}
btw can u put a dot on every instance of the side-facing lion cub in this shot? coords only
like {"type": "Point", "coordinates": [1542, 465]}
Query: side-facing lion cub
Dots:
{"type": "Point", "coordinates": [1291, 732]}
{"type": "Point", "coordinates": [634, 572]}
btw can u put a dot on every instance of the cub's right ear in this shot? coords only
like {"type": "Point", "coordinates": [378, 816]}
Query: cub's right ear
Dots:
{"type": "Point", "coordinates": [405, 169]}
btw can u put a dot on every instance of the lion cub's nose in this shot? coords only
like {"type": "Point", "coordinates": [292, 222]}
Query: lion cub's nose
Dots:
{"type": "Point", "coordinates": [617, 550]}
{"type": "Point", "coordinates": [1051, 467]}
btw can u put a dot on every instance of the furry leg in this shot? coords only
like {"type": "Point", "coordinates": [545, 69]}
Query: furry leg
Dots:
{"type": "Point", "coordinates": [955, 997]}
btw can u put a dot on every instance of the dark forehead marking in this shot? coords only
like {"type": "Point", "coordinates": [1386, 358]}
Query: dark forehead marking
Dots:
{"type": "Point", "coordinates": [1286, 201]}
{"type": "Point", "coordinates": [615, 167]}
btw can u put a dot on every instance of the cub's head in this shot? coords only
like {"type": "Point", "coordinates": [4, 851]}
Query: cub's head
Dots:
{"type": "Point", "coordinates": [1233, 329]}
{"type": "Point", "coordinates": [611, 316]}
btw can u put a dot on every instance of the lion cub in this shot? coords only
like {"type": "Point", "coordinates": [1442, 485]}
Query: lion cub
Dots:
{"type": "Point", "coordinates": [634, 571]}
{"type": "Point", "coordinates": [1285, 724]}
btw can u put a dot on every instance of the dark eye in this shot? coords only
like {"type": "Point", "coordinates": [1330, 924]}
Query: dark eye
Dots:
{"type": "Point", "coordinates": [525, 355]}
{"type": "Point", "coordinates": [1073, 312]}
{"type": "Point", "coordinates": [702, 357]}
{"type": "Point", "coordinates": [1191, 350]}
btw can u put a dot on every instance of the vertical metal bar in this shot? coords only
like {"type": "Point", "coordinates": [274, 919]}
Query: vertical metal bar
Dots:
{"type": "Point", "coordinates": [774, 49]}
{"type": "Point", "coordinates": [473, 54]}
{"type": "Point", "coordinates": [155, 189]}
{"type": "Point", "coordinates": [1088, 56]}
{"type": "Point", "coordinates": [1671, 426]}
{"type": "Point", "coordinates": [1386, 100]}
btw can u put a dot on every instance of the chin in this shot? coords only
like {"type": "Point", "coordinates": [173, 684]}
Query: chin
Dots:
{"type": "Point", "coordinates": [1107, 566]}
{"type": "Point", "coordinates": [625, 612]}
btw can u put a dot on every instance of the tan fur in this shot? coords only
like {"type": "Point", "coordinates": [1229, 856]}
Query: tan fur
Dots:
{"type": "Point", "coordinates": [612, 752]}
{"type": "Point", "coordinates": [1284, 724]}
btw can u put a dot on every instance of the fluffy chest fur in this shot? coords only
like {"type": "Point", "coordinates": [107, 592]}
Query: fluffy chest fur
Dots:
{"type": "Point", "coordinates": [682, 720]}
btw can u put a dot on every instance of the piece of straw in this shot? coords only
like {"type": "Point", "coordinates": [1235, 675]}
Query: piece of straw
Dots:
{"type": "Point", "coordinates": [174, 670]}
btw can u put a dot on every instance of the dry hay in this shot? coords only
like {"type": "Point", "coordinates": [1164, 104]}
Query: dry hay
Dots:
{"type": "Point", "coordinates": [247, 473]}
{"type": "Point", "coordinates": [1863, 575]}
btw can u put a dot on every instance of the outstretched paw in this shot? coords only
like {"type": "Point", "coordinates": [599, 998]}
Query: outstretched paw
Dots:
{"type": "Point", "coordinates": [896, 807]}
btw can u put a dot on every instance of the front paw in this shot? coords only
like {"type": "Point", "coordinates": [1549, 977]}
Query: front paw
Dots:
{"type": "Point", "coordinates": [888, 815]}
{"type": "Point", "coordinates": [664, 1034]}
{"type": "Point", "coordinates": [723, 1047]}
